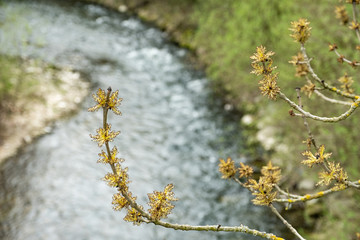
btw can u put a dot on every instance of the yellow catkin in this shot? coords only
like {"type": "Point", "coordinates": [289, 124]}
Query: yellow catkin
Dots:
{"type": "Point", "coordinates": [334, 89]}
{"type": "Point", "coordinates": [357, 97]}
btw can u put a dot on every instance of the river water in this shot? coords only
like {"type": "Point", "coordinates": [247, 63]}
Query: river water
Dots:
{"type": "Point", "coordinates": [172, 131]}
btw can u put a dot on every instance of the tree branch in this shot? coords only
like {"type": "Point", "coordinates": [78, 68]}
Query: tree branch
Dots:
{"type": "Point", "coordinates": [288, 225]}
{"type": "Point", "coordinates": [318, 118]}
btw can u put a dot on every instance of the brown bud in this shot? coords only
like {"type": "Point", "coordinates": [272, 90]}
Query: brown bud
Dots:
{"type": "Point", "coordinates": [341, 59]}
{"type": "Point", "coordinates": [332, 47]}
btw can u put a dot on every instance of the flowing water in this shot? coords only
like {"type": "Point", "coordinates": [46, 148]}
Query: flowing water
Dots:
{"type": "Point", "coordinates": [172, 131]}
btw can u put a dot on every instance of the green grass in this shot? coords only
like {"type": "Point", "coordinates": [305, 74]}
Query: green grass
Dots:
{"type": "Point", "coordinates": [7, 82]}
{"type": "Point", "coordinates": [16, 77]}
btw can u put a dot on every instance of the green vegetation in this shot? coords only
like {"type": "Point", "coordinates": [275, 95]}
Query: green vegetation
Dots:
{"type": "Point", "coordinates": [5, 75]}
{"type": "Point", "coordinates": [15, 78]}
{"type": "Point", "coordinates": [227, 34]}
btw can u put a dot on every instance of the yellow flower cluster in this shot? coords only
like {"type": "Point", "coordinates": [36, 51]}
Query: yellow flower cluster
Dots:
{"type": "Point", "coordinates": [112, 159]}
{"type": "Point", "coordinates": [120, 179]}
{"type": "Point", "coordinates": [300, 30]}
{"type": "Point", "coordinates": [245, 171]}
{"type": "Point", "coordinates": [109, 101]}
{"type": "Point", "coordinates": [341, 14]}
{"type": "Point", "coordinates": [227, 169]}
{"type": "Point", "coordinates": [134, 216]}
{"type": "Point", "coordinates": [332, 171]}
{"type": "Point", "coordinates": [262, 65]}
{"type": "Point", "coordinates": [104, 135]}
{"type": "Point", "coordinates": [318, 158]}
{"type": "Point", "coordinates": [335, 172]}
{"type": "Point", "coordinates": [301, 67]}
{"type": "Point", "coordinates": [346, 83]}
{"type": "Point", "coordinates": [120, 202]}
{"type": "Point", "coordinates": [308, 88]}
{"type": "Point", "coordinates": [160, 203]}
{"type": "Point", "coordinates": [263, 189]}
{"type": "Point", "coordinates": [354, 25]}
{"type": "Point", "coordinates": [271, 173]}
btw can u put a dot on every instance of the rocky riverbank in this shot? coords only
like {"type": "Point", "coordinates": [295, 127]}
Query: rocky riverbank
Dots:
{"type": "Point", "coordinates": [40, 95]}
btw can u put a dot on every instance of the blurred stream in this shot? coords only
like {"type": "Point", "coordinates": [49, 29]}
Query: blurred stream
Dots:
{"type": "Point", "coordinates": [172, 131]}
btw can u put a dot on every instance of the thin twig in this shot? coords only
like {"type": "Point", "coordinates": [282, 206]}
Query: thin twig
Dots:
{"type": "Point", "coordinates": [306, 124]}
{"type": "Point", "coordinates": [308, 197]}
{"type": "Point", "coordinates": [317, 92]}
{"type": "Point", "coordinates": [287, 224]}
{"type": "Point", "coordinates": [355, 19]}
{"type": "Point", "coordinates": [354, 184]}
{"type": "Point", "coordinates": [343, 116]}
{"type": "Point", "coordinates": [286, 193]}
{"type": "Point", "coordinates": [344, 59]}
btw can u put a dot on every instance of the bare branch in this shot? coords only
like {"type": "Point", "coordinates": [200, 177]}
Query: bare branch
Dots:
{"type": "Point", "coordinates": [345, 59]}
{"type": "Point", "coordinates": [317, 92]}
{"type": "Point", "coordinates": [288, 225]}
{"type": "Point", "coordinates": [306, 124]}
{"type": "Point", "coordinates": [343, 116]}
{"type": "Point", "coordinates": [286, 193]}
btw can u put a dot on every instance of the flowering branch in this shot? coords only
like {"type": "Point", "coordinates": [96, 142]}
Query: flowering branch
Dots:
{"type": "Point", "coordinates": [266, 188]}
{"type": "Point", "coordinates": [321, 81]}
{"type": "Point", "coordinates": [160, 202]}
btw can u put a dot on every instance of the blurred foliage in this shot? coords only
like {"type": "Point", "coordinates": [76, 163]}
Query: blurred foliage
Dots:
{"type": "Point", "coordinates": [17, 78]}
{"type": "Point", "coordinates": [227, 34]}
{"type": "Point", "coordinates": [6, 68]}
